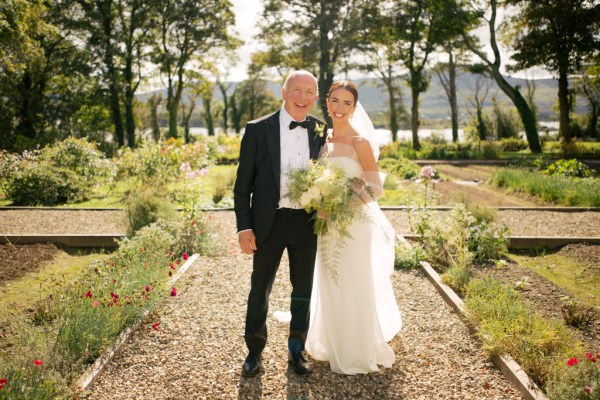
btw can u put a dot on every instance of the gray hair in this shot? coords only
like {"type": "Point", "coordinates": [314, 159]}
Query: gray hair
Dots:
{"type": "Point", "coordinates": [300, 72]}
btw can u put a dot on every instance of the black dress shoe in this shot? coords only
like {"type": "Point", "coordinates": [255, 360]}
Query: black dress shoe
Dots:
{"type": "Point", "coordinates": [299, 363]}
{"type": "Point", "coordinates": [251, 365]}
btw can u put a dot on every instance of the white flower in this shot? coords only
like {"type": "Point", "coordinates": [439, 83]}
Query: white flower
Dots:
{"type": "Point", "coordinates": [185, 166]}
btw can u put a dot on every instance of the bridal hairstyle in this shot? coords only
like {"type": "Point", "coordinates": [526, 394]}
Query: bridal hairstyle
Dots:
{"type": "Point", "coordinates": [347, 85]}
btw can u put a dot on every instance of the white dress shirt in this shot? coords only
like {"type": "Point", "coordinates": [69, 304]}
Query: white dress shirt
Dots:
{"type": "Point", "coordinates": [295, 153]}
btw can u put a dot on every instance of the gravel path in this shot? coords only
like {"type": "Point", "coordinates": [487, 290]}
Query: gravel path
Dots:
{"type": "Point", "coordinates": [198, 350]}
{"type": "Point", "coordinates": [521, 223]}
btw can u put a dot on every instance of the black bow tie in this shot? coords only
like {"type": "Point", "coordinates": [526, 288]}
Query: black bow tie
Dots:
{"type": "Point", "coordinates": [303, 124]}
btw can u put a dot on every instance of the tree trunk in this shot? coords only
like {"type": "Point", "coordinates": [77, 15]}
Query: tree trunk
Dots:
{"type": "Point", "coordinates": [525, 112]}
{"type": "Point", "coordinates": [225, 107]}
{"type": "Point", "coordinates": [154, 102]}
{"type": "Point", "coordinates": [414, 117]}
{"type": "Point", "coordinates": [27, 110]}
{"type": "Point", "coordinates": [452, 95]}
{"type": "Point", "coordinates": [113, 80]}
{"type": "Point", "coordinates": [393, 114]}
{"type": "Point", "coordinates": [593, 123]}
{"type": "Point", "coordinates": [563, 102]}
{"type": "Point", "coordinates": [129, 99]}
{"type": "Point", "coordinates": [172, 109]}
{"type": "Point", "coordinates": [208, 117]}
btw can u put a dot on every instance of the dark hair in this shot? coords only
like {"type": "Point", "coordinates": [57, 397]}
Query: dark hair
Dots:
{"type": "Point", "coordinates": [347, 85]}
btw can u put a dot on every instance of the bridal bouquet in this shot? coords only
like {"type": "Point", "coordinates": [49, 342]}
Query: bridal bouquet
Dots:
{"type": "Point", "coordinates": [323, 188]}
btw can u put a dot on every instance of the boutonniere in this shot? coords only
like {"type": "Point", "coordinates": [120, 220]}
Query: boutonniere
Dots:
{"type": "Point", "coordinates": [319, 130]}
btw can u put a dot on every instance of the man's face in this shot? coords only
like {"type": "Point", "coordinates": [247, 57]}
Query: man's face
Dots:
{"type": "Point", "coordinates": [300, 96]}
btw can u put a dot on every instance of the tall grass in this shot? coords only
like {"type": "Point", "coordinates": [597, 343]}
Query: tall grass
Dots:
{"type": "Point", "coordinates": [552, 188]}
{"type": "Point", "coordinates": [508, 325]}
{"type": "Point", "coordinates": [87, 316]}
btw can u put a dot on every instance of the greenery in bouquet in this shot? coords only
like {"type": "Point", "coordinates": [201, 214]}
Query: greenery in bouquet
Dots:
{"type": "Point", "coordinates": [323, 189]}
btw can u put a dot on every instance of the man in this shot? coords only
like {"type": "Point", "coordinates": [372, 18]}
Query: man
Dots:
{"type": "Point", "coordinates": [268, 223]}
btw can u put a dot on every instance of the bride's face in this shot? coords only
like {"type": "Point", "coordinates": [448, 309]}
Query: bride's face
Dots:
{"type": "Point", "coordinates": [340, 105]}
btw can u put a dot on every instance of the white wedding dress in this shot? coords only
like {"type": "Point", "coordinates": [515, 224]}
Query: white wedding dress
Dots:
{"type": "Point", "coordinates": [354, 311]}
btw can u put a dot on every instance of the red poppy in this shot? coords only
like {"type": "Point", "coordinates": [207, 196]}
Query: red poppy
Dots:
{"type": "Point", "coordinates": [147, 288]}
{"type": "Point", "coordinates": [173, 292]}
{"type": "Point", "coordinates": [96, 304]}
{"type": "Point", "coordinates": [155, 326]}
{"type": "Point", "coordinates": [572, 361]}
{"type": "Point", "coordinates": [2, 382]}
{"type": "Point", "coordinates": [88, 294]}
{"type": "Point", "coordinates": [37, 362]}
{"type": "Point", "coordinates": [185, 256]}
{"type": "Point", "coordinates": [588, 390]}
{"type": "Point", "coordinates": [171, 266]}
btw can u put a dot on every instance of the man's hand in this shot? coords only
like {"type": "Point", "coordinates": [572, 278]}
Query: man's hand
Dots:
{"type": "Point", "coordinates": [247, 241]}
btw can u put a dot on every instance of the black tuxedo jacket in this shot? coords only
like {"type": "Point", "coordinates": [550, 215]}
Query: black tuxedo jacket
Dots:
{"type": "Point", "coordinates": [256, 191]}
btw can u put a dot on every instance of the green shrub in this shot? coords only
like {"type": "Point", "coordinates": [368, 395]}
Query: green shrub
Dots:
{"type": "Point", "coordinates": [513, 144]}
{"type": "Point", "coordinates": [407, 257]}
{"type": "Point", "coordinates": [491, 151]}
{"type": "Point", "coordinates": [401, 167]}
{"type": "Point", "coordinates": [157, 165]}
{"type": "Point", "coordinates": [63, 173]}
{"type": "Point", "coordinates": [79, 156]}
{"type": "Point", "coordinates": [487, 243]}
{"type": "Point", "coordinates": [569, 168]}
{"type": "Point", "coordinates": [42, 183]}
{"type": "Point", "coordinates": [576, 379]}
{"type": "Point", "coordinates": [145, 207]}
{"type": "Point", "coordinates": [457, 277]}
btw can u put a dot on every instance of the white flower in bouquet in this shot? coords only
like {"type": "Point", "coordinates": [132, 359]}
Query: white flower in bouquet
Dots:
{"type": "Point", "coordinates": [323, 189]}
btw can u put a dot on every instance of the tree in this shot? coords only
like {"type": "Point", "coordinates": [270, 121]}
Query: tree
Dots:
{"type": "Point", "coordinates": [525, 112]}
{"type": "Point", "coordinates": [589, 86]}
{"type": "Point", "coordinates": [447, 73]}
{"type": "Point", "coordinates": [153, 103]}
{"type": "Point", "coordinates": [481, 90]}
{"type": "Point", "coordinates": [421, 27]}
{"type": "Point", "coordinates": [382, 60]}
{"type": "Point", "coordinates": [559, 35]}
{"type": "Point", "coordinates": [44, 77]}
{"type": "Point", "coordinates": [312, 34]}
{"type": "Point", "coordinates": [186, 30]}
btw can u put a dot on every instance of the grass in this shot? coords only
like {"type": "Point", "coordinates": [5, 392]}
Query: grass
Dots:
{"type": "Point", "coordinates": [509, 325]}
{"type": "Point", "coordinates": [576, 279]}
{"type": "Point", "coordinates": [555, 189]}
{"type": "Point", "coordinates": [26, 291]}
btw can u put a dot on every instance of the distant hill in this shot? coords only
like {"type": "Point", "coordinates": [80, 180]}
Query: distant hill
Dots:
{"type": "Point", "coordinates": [434, 104]}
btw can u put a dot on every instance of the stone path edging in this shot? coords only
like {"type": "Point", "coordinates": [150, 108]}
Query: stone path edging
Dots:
{"type": "Point", "coordinates": [509, 367]}
{"type": "Point", "coordinates": [87, 380]}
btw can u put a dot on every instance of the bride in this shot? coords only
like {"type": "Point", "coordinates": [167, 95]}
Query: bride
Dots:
{"type": "Point", "coordinates": [353, 309]}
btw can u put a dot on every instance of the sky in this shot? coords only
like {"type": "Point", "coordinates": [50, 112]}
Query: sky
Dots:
{"type": "Point", "coordinates": [247, 13]}
{"type": "Point", "coordinates": [246, 17]}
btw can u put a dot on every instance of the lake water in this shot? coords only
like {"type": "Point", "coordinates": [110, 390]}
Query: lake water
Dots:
{"type": "Point", "coordinates": [383, 136]}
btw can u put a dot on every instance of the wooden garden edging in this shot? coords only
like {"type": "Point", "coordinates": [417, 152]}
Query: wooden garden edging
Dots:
{"type": "Point", "coordinates": [509, 367]}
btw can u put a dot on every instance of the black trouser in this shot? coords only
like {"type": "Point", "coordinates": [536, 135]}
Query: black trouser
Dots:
{"type": "Point", "coordinates": [293, 231]}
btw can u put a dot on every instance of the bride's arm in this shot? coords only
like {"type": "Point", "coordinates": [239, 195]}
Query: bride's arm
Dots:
{"type": "Point", "coordinates": [372, 177]}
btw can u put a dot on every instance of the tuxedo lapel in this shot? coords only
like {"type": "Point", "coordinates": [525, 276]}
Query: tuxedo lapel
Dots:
{"type": "Point", "coordinates": [274, 145]}
{"type": "Point", "coordinates": [314, 142]}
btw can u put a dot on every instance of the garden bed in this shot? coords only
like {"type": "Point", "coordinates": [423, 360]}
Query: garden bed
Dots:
{"type": "Point", "coordinates": [547, 297]}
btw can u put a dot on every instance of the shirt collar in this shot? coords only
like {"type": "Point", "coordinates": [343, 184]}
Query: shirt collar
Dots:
{"type": "Point", "coordinates": [285, 118]}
